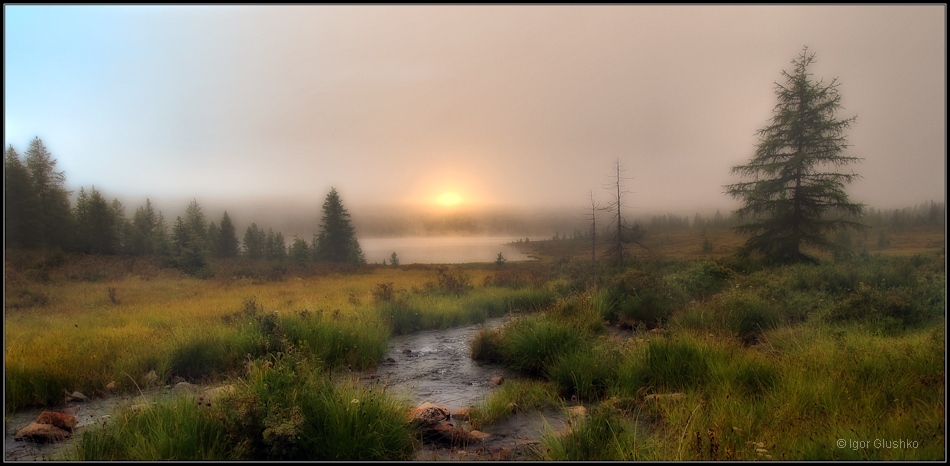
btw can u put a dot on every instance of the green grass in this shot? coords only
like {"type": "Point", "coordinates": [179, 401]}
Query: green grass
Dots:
{"type": "Point", "coordinates": [511, 397]}
{"type": "Point", "coordinates": [772, 362]}
{"type": "Point", "coordinates": [285, 409]}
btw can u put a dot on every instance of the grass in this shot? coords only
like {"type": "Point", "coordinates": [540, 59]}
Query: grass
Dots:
{"type": "Point", "coordinates": [767, 362]}
{"type": "Point", "coordinates": [284, 409]}
{"type": "Point", "coordinates": [511, 397]}
{"type": "Point", "coordinates": [199, 329]}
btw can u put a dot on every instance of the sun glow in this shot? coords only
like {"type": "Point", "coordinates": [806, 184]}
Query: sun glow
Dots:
{"type": "Point", "coordinates": [449, 199]}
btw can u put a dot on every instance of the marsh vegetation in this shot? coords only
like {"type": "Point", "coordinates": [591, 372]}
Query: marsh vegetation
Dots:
{"type": "Point", "coordinates": [701, 358]}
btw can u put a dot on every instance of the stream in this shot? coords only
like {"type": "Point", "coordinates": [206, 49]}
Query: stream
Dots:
{"type": "Point", "coordinates": [432, 365]}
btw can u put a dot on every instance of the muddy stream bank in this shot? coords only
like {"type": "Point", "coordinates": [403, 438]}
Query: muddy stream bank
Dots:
{"type": "Point", "coordinates": [432, 365]}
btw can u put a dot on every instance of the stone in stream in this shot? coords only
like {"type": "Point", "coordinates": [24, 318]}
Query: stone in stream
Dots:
{"type": "Point", "coordinates": [48, 427]}
{"type": "Point", "coordinates": [435, 423]}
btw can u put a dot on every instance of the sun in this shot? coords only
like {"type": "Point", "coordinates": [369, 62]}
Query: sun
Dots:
{"type": "Point", "coordinates": [449, 199]}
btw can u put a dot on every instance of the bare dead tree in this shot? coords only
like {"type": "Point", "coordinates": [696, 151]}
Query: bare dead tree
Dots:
{"type": "Point", "coordinates": [625, 233]}
{"type": "Point", "coordinates": [594, 208]}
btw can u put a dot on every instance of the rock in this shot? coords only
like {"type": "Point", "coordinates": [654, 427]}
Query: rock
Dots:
{"type": "Point", "coordinates": [625, 323]}
{"type": "Point", "coordinates": [496, 380]}
{"type": "Point", "coordinates": [502, 454]}
{"type": "Point", "coordinates": [77, 396]}
{"type": "Point", "coordinates": [177, 379]}
{"type": "Point", "coordinates": [185, 386]}
{"type": "Point", "coordinates": [513, 407]}
{"type": "Point", "coordinates": [447, 432]}
{"type": "Point", "coordinates": [211, 394]}
{"type": "Point", "coordinates": [41, 433]}
{"type": "Point", "coordinates": [664, 396]}
{"type": "Point", "coordinates": [139, 407]}
{"type": "Point", "coordinates": [110, 386]}
{"type": "Point", "coordinates": [576, 412]}
{"type": "Point", "coordinates": [64, 421]}
{"type": "Point", "coordinates": [428, 414]}
{"type": "Point", "coordinates": [390, 361]}
{"type": "Point", "coordinates": [462, 414]}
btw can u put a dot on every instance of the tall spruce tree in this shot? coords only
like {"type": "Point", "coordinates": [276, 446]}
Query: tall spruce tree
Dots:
{"type": "Point", "coordinates": [53, 210]}
{"type": "Point", "coordinates": [337, 241]}
{"type": "Point", "coordinates": [228, 241]}
{"type": "Point", "coordinates": [96, 224]}
{"type": "Point", "coordinates": [796, 195]}
{"type": "Point", "coordinates": [254, 239]}
{"type": "Point", "coordinates": [144, 222]}
{"type": "Point", "coordinates": [21, 225]}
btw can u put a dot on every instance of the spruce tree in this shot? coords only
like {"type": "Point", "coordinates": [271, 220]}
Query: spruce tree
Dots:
{"type": "Point", "coordinates": [96, 230]}
{"type": "Point", "coordinates": [337, 241]}
{"type": "Point", "coordinates": [21, 224]}
{"type": "Point", "coordinates": [254, 239]}
{"type": "Point", "coordinates": [796, 196]}
{"type": "Point", "coordinates": [228, 242]}
{"type": "Point", "coordinates": [53, 210]}
{"type": "Point", "coordinates": [144, 223]}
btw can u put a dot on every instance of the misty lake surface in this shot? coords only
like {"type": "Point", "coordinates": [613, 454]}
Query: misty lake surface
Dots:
{"type": "Point", "coordinates": [442, 249]}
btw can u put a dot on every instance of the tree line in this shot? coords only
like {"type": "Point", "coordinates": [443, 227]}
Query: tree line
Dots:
{"type": "Point", "coordinates": [39, 215]}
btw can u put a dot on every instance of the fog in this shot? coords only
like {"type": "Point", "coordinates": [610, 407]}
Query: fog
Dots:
{"type": "Point", "coordinates": [518, 112]}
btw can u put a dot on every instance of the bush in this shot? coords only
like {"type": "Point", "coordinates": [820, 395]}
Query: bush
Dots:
{"type": "Point", "coordinates": [454, 283]}
{"type": "Point", "coordinates": [705, 278]}
{"type": "Point", "coordinates": [640, 297]}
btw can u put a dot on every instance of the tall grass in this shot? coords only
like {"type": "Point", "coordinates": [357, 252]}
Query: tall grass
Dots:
{"type": "Point", "coordinates": [512, 397]}
{"type": "Point", "coordinates": [180, 429]}
{"type": "Point", "coordinates": [285, 409]}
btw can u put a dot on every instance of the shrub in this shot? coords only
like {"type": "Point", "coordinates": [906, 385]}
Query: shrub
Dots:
{"type": "Point", "coordinates": [455, 283]}
{"type": "Point", "coordinates": [705, 278]}
{"type": "Point", "coordinates": [640, 297]}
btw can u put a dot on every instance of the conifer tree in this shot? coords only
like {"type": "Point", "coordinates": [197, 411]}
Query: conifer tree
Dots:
{"type": "Point", "coordinates": [796, 196]}
{"type": "Point", "coordinates": [21, 226]}
{"type": "Point", "coordinates": [228, 242]}
{"type": "Point", "coordinates": [337, 241]}
{"type": "Point", "coordinates": [53, 210]}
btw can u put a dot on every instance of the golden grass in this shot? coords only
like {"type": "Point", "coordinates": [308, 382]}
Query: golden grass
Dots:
{"type": "Point", "coordinates": [85, 339]}
{"type": "Point", "coordinates": [688, 244]}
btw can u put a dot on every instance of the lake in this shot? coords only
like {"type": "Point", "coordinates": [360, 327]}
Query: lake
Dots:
{"type": "Point", "coordinates": [441, 249]}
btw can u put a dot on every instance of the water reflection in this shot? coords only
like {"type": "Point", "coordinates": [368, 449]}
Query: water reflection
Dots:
{"type": "Point", "coordinates": [441, 249]}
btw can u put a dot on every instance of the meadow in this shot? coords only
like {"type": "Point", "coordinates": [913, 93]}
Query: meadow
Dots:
{"type": "Point", "coordinates": [679, 355]}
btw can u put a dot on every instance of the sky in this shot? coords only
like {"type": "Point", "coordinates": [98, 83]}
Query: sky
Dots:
{"type": "Point", "coordinates": [463, 105]}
